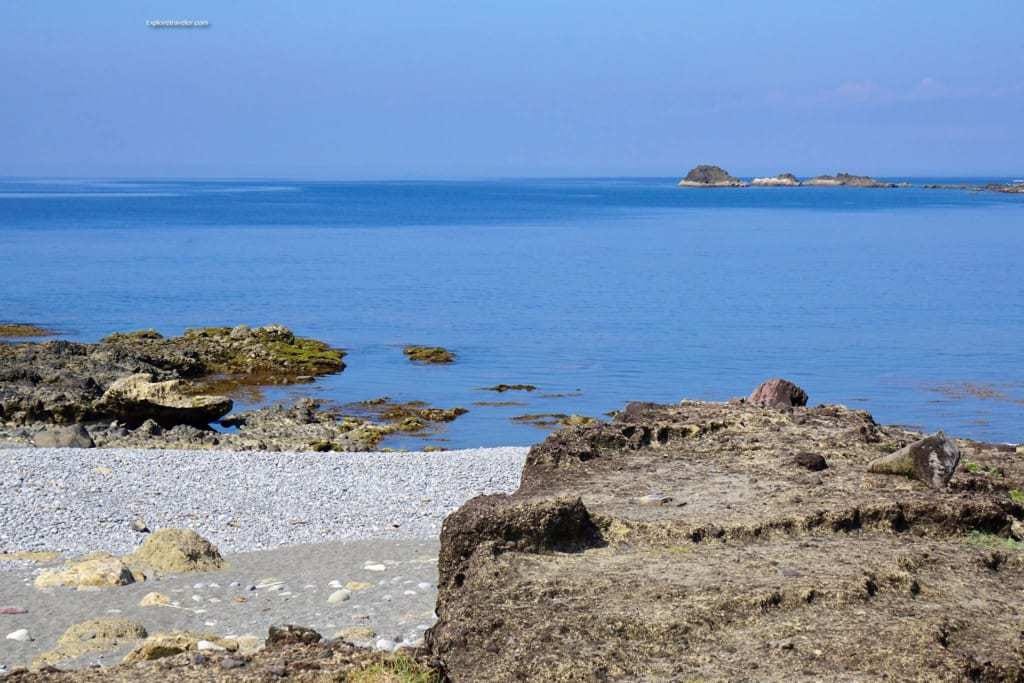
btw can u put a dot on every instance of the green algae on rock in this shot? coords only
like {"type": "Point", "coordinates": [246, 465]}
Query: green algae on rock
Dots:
{"type": "Point", "coordinates": [18, 330]}
{"type": "Point", "coordinates": [64, 382]}
{"type": "Point", "coordinates": [429, 354]}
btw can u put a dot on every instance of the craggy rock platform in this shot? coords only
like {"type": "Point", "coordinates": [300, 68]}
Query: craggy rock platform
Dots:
{"type": "Point", "coordinates": [705, 541]}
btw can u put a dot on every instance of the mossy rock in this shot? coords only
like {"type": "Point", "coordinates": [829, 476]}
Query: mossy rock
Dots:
{"type": "Point", "coordinates": [94, 635]}
{"type": "Point", "coordinates": [429, 354]}
{"type": "Point", "coordinates": [13, 330]}
{"type": "Point", "coordinates": [177, 551]}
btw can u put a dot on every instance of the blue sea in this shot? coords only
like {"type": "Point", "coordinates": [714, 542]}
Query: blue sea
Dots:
{"type": "Point", "coordinates": [908, 303]}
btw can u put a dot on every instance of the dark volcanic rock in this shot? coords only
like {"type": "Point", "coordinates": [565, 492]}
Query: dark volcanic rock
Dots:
{"type": "Point", "coordinates": [706, 175]}
{"type": "Point", "coordinates": [741, 571]}
{"type": "Point", "coordinates": [810, 461]}
{"type": "Point", "coordinates": [778, 393]}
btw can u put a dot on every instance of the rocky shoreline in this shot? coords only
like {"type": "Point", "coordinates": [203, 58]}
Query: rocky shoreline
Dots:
{"type": "Point", "coordinates": [144, 390]}
{"type": "Point", "coordinates": [755, 539]}
{"type": "Point", "coordinates": [710, 176]}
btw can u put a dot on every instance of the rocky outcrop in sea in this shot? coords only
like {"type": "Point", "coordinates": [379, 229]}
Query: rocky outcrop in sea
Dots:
{"type": "Point", "coordinates": [706, 175]}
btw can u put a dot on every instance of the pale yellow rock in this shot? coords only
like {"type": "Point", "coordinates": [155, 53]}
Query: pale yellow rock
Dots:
{"type": "Point", "coordinates": [103, 469]}
{"type": "Point", "coordinates": [358, 585]}
{"type": "Point", "coordinates": [1020, 449]}
{"type": "Point", "coordinates": [177, 551]}
{"type": "Point", "coordinates": [160, 645]}
{"type": "Point", "coordinates": [95, 635]}
{"type": "Point", "coordinates": [248, 644]}
{"type": "Point", "coordinates": [356, 634]}
{"type": "Point", "coordinates": [154, 600]}
{"type": "Point", "coordinates": [100, 570]}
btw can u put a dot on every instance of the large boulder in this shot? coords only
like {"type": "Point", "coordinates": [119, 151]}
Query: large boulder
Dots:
{"type": "Point", "coordinates": [681, 543]}
{"type": "Point", "coordinates": [778, 393]}
{"type": "Point", "coordinates": [63, 436]}
{"type": "Point", "coordinates": [176, 551]}
{"type": "Point", "coordinates": [932, 460]}
{"type": "Point", "coordinates": [137, 398]}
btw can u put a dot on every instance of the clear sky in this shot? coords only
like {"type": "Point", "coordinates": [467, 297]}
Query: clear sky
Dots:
{"type": "Point", "coordinates": [411, 89]}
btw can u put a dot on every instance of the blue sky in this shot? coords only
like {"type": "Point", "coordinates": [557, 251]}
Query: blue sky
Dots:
{"type": "Point", "coordinates": [384, 89]}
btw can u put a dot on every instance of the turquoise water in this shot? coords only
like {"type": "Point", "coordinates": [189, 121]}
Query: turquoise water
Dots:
{"type": "Point", "coordinates": [611, 290]}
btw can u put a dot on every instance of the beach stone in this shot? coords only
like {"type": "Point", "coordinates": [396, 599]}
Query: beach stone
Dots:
{"type": "Point", "coordinates": [13, 610]}
{"type": "Point", "coordinates": [94, 635]}
{"type": "Point", "coordinates": [21, 635]}
{"type": "Point", "coordinates": [339, 596]}
{"type": "Point", "coordinates": [100, 570]}
{"type": "Point", "coordinates": [64, 436]}
{"type": "Point", "coordinates": [139, 525]}
{"type": "Point", "coordinates": [231, 663]}
{"type": "Point", "coordinates": [385, 644]}
{"type": "Point", "coordinates": [778, 393]}
{"type": "Point", "coordinates": [137, 398]}
{"type": "Point", "coordinates": [357, 635]}
{"type": "Point", "coordinates": [810, 461]}
{"type": "Point", "coordinates": [358, 586]}
{"type": "Point", "coordinates": [248, 644]}
{"type": "Point", "coordinates": [289, 634]}
{"type": "Point", "coordinates": [177, 551]}
{"type": "Point", "coordinates": [154, 600]}
{"type": "Point", "coordinates": [375, 568]}
{"type": "Point", "coordinates": [209, 646]}
{"type": "Point", "coordinates": [162, 645]}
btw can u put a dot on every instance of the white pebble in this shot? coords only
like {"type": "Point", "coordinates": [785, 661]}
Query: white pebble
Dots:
{"type": "Point", "coordinates": [339, 596]}
{"type": "Point", "coordinates": [207, 646]}
{"type": "Point", "coordinates": [21, 635]}
{"type": "Point", "coordinates": [385, 644]}
{"type": "Point", "coordinates": [375, 568]}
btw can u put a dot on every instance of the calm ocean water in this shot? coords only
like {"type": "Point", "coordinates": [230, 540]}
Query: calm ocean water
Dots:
{"type": "Point", "coordinates": [612, 290]}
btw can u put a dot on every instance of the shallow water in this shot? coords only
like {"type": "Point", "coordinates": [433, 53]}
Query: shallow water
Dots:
{"type": "Point", "coordinates": [888, 300]}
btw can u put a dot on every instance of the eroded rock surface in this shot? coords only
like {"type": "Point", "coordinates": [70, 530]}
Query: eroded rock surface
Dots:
{"type": "Point", "coordinates": [695, 542]}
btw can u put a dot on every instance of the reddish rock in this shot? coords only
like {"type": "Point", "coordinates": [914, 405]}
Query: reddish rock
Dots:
{"type": "Point", "coordinates": [778, 393]}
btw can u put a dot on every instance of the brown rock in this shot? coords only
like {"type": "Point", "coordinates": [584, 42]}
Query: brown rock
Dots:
{"type": "Point", "coordinates": [810, 461]}
{"type": "Point", "coordinates": [575, 577]}
{"type": "Point", "coordinates": [289, 634]}
{"type": "Point", "coordinates": [778, 393]}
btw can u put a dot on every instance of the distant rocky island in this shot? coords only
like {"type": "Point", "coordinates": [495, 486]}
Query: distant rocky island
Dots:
{"type": "Point", "coordinates": [708, 175]}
